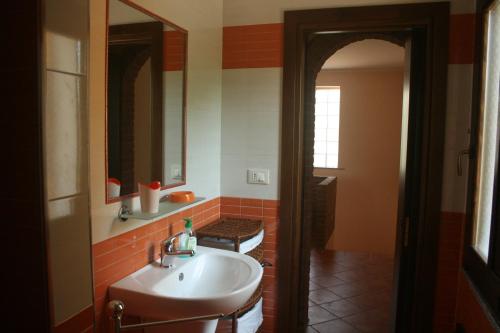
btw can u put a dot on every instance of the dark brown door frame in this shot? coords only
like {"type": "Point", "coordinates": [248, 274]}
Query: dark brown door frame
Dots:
{"type": "Point", "coordinates": [428, 136]}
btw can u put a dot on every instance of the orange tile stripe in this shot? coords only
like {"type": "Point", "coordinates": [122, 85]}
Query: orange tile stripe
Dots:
{"type": "Point", "coordinates": [447, 277]}
{"type": "Point", "coordinates": [173, 50]}
{"type": "Point", "coordinates": [261, 45]}
{"type": "Point", "coordinates": [79, 323]}
{"type": "Point", "coordinates": [253, 46]}
{"type": "Point", "coordinates": [462, 39]}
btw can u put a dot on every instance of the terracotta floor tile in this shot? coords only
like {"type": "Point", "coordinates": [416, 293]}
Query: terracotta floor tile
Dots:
{"type": "Point", "coordinates": [371, 300]}
{"type": "Point", "coordinates": [357, 292]}
{"type": "Point", "coordinates": [319, 315]}
{"type": "Point", "coordinates": [335, 326]}
{"type": "Point", "coordinates": [314, 286]}
{"type": "Point", "coordinates": [327, 281]}
{"type": "Point", "coordinates": [370, 321]}
{"type": "Point", "coordinates": [342, 308]}
{"type": "Point", "coordinates": [350, 289]}
{"type": "Point", "coordinates": [322, 296]}
{"type": "Point", "coordinates": [310, 329]}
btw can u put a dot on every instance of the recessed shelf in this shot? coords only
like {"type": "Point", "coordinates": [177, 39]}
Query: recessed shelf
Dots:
{"type": "Point", "coordinates": [165, 207]}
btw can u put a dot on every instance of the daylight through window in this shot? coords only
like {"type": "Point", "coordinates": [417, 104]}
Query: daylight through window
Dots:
{"type": "Point", "coordinates": [326, 127]}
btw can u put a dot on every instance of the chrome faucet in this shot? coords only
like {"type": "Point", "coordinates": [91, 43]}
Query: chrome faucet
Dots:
{"type": "Point", "coordinates": [169, 251]}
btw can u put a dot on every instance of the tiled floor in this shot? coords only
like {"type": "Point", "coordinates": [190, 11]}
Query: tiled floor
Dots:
{"type": "Point", "coordinates": [350, 292]}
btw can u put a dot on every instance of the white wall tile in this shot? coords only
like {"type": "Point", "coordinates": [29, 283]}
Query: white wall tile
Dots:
{"type": "Point", "coordinates": [234, 171]}
{"type": "Point", "coordinates": [459, 99]}
{"type": "Point", "coordinates": [69, 246]}
{"type": "Point", "coordinates": [65, 135]}
{"type": "Point", "coordinates": [251, 108]}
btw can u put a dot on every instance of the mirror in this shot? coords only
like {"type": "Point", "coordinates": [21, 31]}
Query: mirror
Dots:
{"type": "Point", "coordinates": [146, 118]}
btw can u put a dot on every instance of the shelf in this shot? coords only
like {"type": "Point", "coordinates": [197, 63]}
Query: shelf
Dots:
{"type": "Point", "coordinates": [165, 207]}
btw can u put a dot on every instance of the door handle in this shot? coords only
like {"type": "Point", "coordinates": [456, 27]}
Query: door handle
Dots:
{"type": "Point", "coordinates": [461, 154]}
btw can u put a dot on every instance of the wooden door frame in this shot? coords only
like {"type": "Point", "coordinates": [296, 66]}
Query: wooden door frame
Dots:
{"type": "Point", "coordinates": [433, 18]}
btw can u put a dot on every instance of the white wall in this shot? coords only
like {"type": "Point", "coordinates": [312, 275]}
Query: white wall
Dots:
{"type": "Point", "coordinates": [203, 21]}
{"type": "Point", "coordinates": [172, 122]}
{"type": "Point", "coordinates": [251, 108]}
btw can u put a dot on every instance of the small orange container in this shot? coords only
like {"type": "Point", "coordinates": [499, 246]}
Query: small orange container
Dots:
{"type": "Point", "coordinates": [181, 196]}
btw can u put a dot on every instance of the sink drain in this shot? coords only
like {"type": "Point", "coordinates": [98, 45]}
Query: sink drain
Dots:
{"type": "Point", "coordinates": [181, 276]}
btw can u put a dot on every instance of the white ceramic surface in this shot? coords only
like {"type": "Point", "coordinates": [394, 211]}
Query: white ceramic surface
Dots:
{"type": "Point", "coordinates": [149, 198]}
{"type": "Point", "coordinates": [213, 281]}
{"type": "Point", "coordinates": [113, 190]}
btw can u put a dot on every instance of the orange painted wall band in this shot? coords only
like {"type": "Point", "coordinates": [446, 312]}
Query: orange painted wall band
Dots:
{"type": "Point", "coordinates": [261, 45]}
{"type": "Point", "coordinates": [253, 46]}
{"type": "Point", "coordinates": [173, 50]}
{"type": "Point", "coordinates": [462, 28]}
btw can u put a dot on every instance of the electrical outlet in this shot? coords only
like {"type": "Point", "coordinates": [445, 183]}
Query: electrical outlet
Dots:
{"type": "Point", "coordinates": [258, 176]}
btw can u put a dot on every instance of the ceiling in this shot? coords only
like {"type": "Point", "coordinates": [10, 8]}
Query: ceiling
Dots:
{"type": "Point", "coordinates": [367, 54]}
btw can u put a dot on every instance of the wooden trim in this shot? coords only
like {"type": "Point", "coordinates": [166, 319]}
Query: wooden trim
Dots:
{"type": "Point", "coordinates": [27, 299]}
{"type": "Point", "coordinates": [154, 15]}
{"type": "Point", "coordinates": [426, 187]}
{"type": "Point", "coordinates": [158, 123]}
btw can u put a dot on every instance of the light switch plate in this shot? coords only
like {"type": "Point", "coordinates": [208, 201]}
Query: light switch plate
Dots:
{"type": "Point", "coordinates": [175, 171]}
{"type": "Point", "coordinates": [258, 176]}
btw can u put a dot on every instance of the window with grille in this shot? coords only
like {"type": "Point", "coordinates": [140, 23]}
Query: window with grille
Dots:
{"type": "Point", "coordinates": [326, 127]}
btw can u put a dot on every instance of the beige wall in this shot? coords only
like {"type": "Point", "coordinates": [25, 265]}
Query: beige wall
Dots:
{"type": "Point", "coordinates": [370, 131]}
{"type": "Point", "coordinates": [203, 21]}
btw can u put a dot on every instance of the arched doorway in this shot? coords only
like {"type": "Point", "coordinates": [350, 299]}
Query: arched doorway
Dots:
{"type": "Point", "coordinates": [356, 98]}
{"type": "Point", "coordinates": [426, 25]}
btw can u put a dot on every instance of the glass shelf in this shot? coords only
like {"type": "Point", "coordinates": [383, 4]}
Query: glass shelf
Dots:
{"type": "Point", "coordinates": [165, 207]}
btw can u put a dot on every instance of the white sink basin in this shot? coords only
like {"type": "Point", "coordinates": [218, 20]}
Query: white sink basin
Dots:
{"type": "Point", "coordinates": [213, 281]}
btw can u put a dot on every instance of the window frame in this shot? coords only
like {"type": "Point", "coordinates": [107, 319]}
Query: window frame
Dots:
{"type": "Point", "coordinates": [484, 275]}
{"type": "Point", "coordinates": [338, 167]}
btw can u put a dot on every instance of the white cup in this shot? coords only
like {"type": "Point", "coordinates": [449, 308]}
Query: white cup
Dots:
{"type": "Point", "coordinates": [113, 188]}
{"type": "Point", "coordinates": [150, 197]}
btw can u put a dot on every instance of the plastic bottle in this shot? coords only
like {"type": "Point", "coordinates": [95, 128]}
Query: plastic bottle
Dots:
{"type": "Point", "coordinates": [188, 238]}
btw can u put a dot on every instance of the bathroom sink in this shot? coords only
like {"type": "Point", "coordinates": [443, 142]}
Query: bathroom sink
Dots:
{"type": "Point", "coordinates": [213, 281]}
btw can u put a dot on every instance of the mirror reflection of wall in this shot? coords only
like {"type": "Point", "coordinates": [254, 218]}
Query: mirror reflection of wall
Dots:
{"type": "Point", "coordinates": [146, 103]}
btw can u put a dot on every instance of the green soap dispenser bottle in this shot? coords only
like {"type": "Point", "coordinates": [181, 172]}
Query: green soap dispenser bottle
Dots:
{"type": "Point", "coordinates": [188, 241]}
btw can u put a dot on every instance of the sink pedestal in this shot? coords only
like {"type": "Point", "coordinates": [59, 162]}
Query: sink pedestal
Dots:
{"type": "Point", "coordinates": [200, 326]}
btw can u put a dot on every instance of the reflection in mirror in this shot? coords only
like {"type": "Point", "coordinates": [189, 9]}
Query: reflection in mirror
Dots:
{"type": "Point", "coordinates": [145, 101]}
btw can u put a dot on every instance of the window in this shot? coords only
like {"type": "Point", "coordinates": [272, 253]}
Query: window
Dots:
{"type": "Point", "coordinates": [482, 250]}
{"type": "Point", "coordinates": [487, 145]}
{"type": "Point", "coordinates": [326, 127]}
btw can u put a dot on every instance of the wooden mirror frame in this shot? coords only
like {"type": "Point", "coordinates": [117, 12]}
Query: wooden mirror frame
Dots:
{"type": "Point", "coordinates": [184, 101]}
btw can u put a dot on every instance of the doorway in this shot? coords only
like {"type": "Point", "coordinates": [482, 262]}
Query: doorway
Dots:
{"type": "Point", "coordinates": [423, 29]}
{"type": "Point", "coordinates": [357, 139]}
